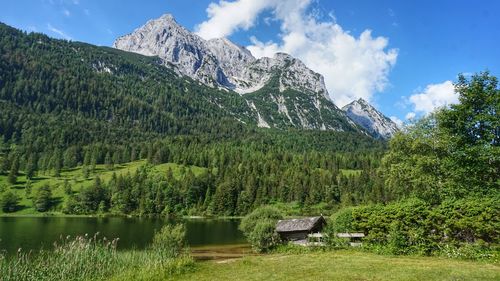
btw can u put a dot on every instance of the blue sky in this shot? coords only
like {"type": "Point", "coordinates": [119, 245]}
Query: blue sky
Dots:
{"type": "Point", "coordinates": [423, 43]}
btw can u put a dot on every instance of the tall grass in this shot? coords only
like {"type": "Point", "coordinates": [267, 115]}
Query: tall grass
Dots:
{"type": "Point", "coordinates": [92, 258]}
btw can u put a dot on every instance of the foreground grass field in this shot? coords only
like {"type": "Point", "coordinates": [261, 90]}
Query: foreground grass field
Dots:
{"type": "Point", "coordinates": [342, 265]}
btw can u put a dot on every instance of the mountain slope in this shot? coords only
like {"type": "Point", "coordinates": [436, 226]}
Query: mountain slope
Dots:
{"type": "Point", "coordinates": [61, 93]}
{"type": "Point", "coordinates": [86, 93]}
{"type": "Point", "coordinates": [280, 92]}
{"type": "Point", "coordinates": [366, 116]}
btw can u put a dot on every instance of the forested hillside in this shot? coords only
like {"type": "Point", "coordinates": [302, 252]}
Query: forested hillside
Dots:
{"type": "Point", "coordinates": [69, 105]}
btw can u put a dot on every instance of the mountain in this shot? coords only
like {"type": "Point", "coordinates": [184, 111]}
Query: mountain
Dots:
{"type": "Point", "coordinates": [280, 91]}
{"type": "Point", "coordinates": [366, 116]}
{"type": "Point", "coordinates": [58, 93]}
{"type": "Point", "coordinates": [216, 62]}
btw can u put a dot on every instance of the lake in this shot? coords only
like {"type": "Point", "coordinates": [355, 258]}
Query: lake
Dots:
{"type": "Point", "coordinates": [33, 233]}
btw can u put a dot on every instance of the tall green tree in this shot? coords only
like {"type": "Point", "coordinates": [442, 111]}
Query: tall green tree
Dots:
{"type": "Point", "coordinates": [43, 200]}
{"type": "Point", "coordinates": [4, 164]}
{"type": "Point", "coordinates": [57, 162]}
{"type": "Point", "coordinates": [14, 170]}
{"type": "Point", "coordinates": [454, 151]}
{"type": "Point", "coordinates": [472, 129]}
{"type": "Point", "coordinates": [108, 161]}
{"type": "Point", "coordinates": [31, 166]}
{"type": "Point", "coordinates": [9, 202]}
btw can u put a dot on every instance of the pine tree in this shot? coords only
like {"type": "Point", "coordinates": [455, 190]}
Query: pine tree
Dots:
{"type": "Point", "coordinates": [31, 167]}
{"type": "Point", "coordinates": [4, 165]}
{"type": "Point", "coordinates": [9, 201]}
{"type": "Point", "coordinates": [28, 188]}
{"type": "Point", "coordinates": [108, 162]}
{"type": "Point", "coordinates": [43, 199]}
{"type": "Point", "coordinates": [57, 163]}
{"type": "Point", "coordinates": [14, 170]}
{"type": "Point", "coordinates": [67, 187]}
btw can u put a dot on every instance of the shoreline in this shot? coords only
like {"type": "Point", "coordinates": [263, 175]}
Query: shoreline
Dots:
{"type": "Point", "coordinates": [61, 215]}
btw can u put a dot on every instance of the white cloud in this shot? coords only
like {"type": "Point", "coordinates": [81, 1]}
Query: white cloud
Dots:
{"type": "Point", "coordinates": [354, 67]}
{"type": "Point", "coordinates": [397, 121]}
{"type": "Point", "coordinates": [410, 115]}
{"type": "Point", "coordinates": [58, 32]}
{"type": "Point", "coordinates": [434, 96]}
{"type": "Point", "coordinates": [227, 17]}
{"type": "Point", "coordinates": [66, 12]}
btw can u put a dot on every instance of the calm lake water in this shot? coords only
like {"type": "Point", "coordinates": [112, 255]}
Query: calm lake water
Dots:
{"type": "Point", "coordinates": [33, 233]}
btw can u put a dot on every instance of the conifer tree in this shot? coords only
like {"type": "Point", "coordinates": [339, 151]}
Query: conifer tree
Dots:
{"type": "Point", "coordinates": [14, 170]}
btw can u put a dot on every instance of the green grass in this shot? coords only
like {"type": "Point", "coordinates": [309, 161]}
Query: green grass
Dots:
{"type": "Point", "coordinates": [77, 182]}
{"type": "Point", "coordinates": [342, 265]}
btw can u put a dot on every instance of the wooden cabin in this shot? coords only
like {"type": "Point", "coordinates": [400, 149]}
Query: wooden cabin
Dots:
{"type": "Point", "coordinates": [298, 230]}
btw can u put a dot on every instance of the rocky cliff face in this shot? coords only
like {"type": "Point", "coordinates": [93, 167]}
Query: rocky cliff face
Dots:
{"type": "Point", "coordinates": [280, 91]}
{"type": "Point", "coordinates": [217, 62]}
{"type": "Point", "coordinates": [366, 116]}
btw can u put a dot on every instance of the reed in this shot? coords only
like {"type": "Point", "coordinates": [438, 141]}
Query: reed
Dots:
{"type": "Point", "coordinates": [93, 258]}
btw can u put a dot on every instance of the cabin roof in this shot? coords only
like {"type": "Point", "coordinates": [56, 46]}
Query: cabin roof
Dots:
{"type": "Point", "coordinates": [303, 224]}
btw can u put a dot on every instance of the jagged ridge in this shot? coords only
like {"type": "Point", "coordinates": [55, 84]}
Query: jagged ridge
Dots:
{"type": "Point", "coordinates": [280, 91]}
{"type": "Point", "coordinates": [366, 116]}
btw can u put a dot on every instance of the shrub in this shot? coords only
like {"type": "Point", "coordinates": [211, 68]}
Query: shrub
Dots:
{"type": "Point", "coordinates": [413, 226]}
{"type": "Point", "coordinates": [264, 237]}
{"type": "Point", "coordinates": [341, 221]}
{"type": "Point", "coordinates": [170, 241]}
{"type": "Point", "coordinates": [259, 227]}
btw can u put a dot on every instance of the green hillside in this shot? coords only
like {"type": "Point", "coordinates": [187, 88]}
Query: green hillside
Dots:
{"type": "Point", "coordinates": [74, 178]}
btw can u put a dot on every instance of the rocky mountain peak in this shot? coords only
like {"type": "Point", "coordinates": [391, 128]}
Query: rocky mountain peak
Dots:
{"type": "Point", "coordinates": [280, 91]}
{"type": "Point", "coordinates": [372, 120]}
{"type": "Point", "coordinates": [167, 17]}
{"type": "Point", "coordinates": [217, 62]}
{"type": "Point", "coordinates": [363, 102]}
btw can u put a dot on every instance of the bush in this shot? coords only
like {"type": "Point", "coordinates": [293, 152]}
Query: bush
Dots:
{"type": "Point", "coordinates": [414, 227]}
{"type": "Point", "coordinates": [264, 237]}
{"type": "Point", "coordinates": [259, 227]}
{"type": "Point", "coordinates": [170, 241]}
{"type": "Point", "coordinates": [341, 221]}
{"type": "Point", "coordinates": [475, 251]}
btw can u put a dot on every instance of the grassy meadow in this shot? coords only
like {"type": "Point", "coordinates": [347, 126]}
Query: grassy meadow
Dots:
{"type": "Point", "coordinates": [342, 265]}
